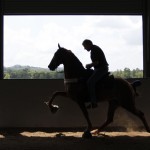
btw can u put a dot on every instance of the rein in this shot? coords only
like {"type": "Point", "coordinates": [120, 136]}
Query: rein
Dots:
{"type": "Point", "coordinates": [73, 80]}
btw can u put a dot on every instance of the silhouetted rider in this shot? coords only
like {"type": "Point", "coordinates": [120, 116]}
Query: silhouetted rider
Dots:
{"type": "Point", "coordinates": [100, 65]}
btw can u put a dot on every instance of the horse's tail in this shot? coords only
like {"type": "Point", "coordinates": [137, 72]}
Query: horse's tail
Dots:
{"type": "Point", "coordinates": [136, 84]}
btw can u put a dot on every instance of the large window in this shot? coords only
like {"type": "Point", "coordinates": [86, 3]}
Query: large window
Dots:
{"type": "Point", "coordinates": [30, 42]}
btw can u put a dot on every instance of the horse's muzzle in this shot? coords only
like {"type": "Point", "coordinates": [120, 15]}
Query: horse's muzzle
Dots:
{"type": "Point", "coordinates": [51, 68]}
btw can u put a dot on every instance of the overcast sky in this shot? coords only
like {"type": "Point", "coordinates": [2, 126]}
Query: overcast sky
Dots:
{"type": "Point", "coordinates": [32, 40]}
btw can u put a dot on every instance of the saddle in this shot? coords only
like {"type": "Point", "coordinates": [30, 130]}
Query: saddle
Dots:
{"type": "Point", "coordinates": [107, 81]}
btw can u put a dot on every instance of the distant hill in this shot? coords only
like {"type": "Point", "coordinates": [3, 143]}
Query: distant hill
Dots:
{"type": "Point", "coordinates": [20, 67]}
{"type": "Point", "coordinates": [30, 72]}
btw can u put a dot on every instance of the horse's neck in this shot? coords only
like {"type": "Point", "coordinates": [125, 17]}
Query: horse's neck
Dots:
{"type": "Point", "coordinates": [73, 67]}
{"type": "Point", "coordinates": [72, 72]}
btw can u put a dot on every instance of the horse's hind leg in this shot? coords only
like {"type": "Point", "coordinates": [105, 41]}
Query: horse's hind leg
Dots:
{"type": "Point", "coordinates": [110, 115]}
{"type": "Point", "coordinates": [139, 114]}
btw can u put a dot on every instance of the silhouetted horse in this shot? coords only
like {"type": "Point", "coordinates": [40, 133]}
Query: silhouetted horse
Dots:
{"type": "Point", "coordinates": [117, 91]}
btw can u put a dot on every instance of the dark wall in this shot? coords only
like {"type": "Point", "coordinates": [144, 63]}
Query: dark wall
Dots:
{"type": "Point", "coordinates": [22, 105]}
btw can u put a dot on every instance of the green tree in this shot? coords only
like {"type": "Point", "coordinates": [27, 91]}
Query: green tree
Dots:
{"type": "Point", "coordinates": [127, 73]}
{"type": "Point", "coordinates": [6, 76]}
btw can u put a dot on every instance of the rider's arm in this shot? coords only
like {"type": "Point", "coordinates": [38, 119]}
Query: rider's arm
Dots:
{"type": "Point", "coordinates": [92, 64]}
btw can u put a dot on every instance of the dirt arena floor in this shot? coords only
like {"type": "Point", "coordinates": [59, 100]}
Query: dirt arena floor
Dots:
{"type": "Point", "coordinates": [50, 140]}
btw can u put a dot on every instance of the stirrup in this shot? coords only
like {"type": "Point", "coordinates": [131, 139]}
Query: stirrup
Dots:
{"type": "Point", "coordinates": [92, 105]}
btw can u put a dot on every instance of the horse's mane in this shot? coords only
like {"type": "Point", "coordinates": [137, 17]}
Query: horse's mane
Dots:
{"type": "Point", "coordinates": [73, 57]}
{"type": "Point", "coordinates": [73, 66]}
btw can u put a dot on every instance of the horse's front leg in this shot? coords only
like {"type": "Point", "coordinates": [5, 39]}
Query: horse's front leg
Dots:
{"type": "Point", "coordinates": [87, 133]}
{"type": "Point", "coordinates": [52, 107]}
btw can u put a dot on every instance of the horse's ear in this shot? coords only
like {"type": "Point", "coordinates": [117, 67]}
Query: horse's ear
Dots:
{"type": "Point", "coordinates": [59, 46]}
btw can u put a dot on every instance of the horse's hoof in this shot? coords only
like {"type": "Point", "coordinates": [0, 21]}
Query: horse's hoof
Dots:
{"type": "Point", "coordinates": [54, 108]}
{"type": "Point", "coordinates": [87, 135]}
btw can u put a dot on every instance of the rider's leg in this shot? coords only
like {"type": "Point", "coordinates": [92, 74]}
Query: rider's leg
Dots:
{"type": "Point", "coordinates": [91, 83]}
{"type": "Point", "coordinates": [91, 87]}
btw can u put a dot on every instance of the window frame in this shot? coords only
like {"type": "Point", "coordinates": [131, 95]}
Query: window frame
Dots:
{"type": "Point", "coordinates": [79, 7]}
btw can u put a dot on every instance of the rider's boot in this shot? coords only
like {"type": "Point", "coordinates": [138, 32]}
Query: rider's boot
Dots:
{"type": "Point", "coordinates": [92, 105]}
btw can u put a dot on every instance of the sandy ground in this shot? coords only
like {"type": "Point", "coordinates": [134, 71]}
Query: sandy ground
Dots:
{"type": "Point", "coordinates": [48, 140]}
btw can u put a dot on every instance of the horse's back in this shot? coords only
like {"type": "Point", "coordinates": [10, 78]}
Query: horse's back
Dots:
{"type": "Point", "coordinates": [121, 90]}
{"type": "Point", "coordinates": [124, 86]}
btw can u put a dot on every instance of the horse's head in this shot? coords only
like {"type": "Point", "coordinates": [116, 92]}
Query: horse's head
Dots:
{"type": "Point", "coordinates": [57, 59]}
